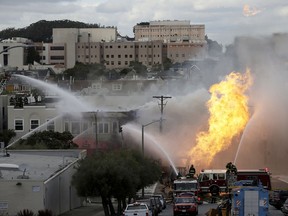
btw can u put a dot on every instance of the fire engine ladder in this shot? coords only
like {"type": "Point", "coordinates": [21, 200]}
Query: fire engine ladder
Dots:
{"type": "Point", "coordinates": [2, 85]}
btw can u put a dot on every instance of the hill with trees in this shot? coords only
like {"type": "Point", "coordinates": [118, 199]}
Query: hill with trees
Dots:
{"type": "Point", "coordinates": [41, 31]}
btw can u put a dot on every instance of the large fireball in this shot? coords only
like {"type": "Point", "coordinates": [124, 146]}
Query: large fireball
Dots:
{"type": "Point", "coordinates": [229, 114]}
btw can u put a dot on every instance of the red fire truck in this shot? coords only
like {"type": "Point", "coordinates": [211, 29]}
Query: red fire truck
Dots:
{"type": "Point", "coordinates": [212, 181]}
{"type": "Point", "coordinates": [215, 180]}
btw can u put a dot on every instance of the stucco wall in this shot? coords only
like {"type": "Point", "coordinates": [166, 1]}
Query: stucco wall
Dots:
{"type": "Point", "coordinates": [27, 194]}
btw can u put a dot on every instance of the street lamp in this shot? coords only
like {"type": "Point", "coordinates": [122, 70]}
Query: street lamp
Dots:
{"type": "Point", "coordinates": [143, 126]}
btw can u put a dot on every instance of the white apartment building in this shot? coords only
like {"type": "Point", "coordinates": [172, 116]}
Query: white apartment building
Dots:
{"type": "Point", "coordinates": [12, 54]}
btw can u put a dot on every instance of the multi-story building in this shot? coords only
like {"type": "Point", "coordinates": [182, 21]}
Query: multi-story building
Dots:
{"type": "Point", "coordinates": [72, 36]}
{"type": "Point", "coordinates": [120, 54]}
{"type": "Point", "coordinates": [154, 42]}
{"type": "Point", "coordinates": [169, 31]}
{"type": "Point", "coordinates": [12, 54]}
{"type": "Point", "coordinates": [184, 41]}
{"type": "Point", "coordinates": [52, 53]}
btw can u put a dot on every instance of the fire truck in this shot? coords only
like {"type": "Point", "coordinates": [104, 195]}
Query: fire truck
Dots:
{"type": "Point", "coordinates": [216, 180]}
{"type": "Point", "coordinates": [249, 198]}
{"type": "Point", "coordinates": [212, 181]}
{"type": "Point", "coordinates": [184, 185]}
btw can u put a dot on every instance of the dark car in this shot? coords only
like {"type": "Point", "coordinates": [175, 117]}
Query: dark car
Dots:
{"type": "Point", "coordinates": [284, 208]}
{"type": "Point", "coordinates": [155, 205]}
{"type": "Point", "coordinates": [162, 199]}
{"type": "Point", "coordinates": [188, 194]}
{"type": "Point", "coordinates": [185, 206]}
{"type": "Point", "coordinates": [278, 197]}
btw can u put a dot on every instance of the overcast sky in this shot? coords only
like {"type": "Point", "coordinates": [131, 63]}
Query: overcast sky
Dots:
{"type": "Point", "coordinates": [223, 19]}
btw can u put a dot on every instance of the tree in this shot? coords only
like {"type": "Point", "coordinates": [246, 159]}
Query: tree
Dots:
{"type": "Point", "coordinates": [6, 136]}
{"type": "Point", "coordinates": [32, 55]}
{"type": "Point", "coordinates": [140, 69]}
{"type": "Point", "coordinates": [117, 173]}
{"type": "Point", "coordinates": [167, 63]}
{"type": "Point", "coordinates": [48, 140]}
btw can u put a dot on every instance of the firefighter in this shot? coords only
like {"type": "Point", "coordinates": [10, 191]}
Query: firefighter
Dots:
{"type": "Point", "coordinates": [192, 171]}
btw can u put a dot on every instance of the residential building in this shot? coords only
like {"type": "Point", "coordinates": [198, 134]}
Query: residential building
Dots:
{"type": "Point", "coordinates": [39, 180]}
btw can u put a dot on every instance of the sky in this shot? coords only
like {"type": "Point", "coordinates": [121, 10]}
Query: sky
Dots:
{"type": "Point", "coordinates": [223, 19]}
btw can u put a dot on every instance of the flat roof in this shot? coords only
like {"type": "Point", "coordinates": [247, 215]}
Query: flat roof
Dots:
{"type": "Point", "coordinates": [35, 164]}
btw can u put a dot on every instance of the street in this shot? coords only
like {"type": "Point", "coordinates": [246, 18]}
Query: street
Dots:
{"type": "Point", "coordinates": [204, 208]}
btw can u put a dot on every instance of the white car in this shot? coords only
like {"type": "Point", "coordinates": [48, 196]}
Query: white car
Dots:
{"type": "Point", "coordinates": [137, 209]}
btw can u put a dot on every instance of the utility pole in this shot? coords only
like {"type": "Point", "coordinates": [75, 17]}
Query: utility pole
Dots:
{"type": "Point", "coordinates": [162, 104]}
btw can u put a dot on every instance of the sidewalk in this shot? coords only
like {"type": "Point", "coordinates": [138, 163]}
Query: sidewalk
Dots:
{"type": "Point", "coordinates": [96, 208]}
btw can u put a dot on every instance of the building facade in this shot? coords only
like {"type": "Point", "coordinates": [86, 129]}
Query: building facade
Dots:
{"type": "Point", "coordinates": [120, 54]}
{"type": "Point", "coordinates": [39, 180]}
{"type": "Point", "coordinates": [185, 42]}
{"type": "Point", "coordinates": [169, 31]}
{"type": "Point", "coordinates": [154, 42]}
{"type": "Point", "coordinates": [72, 36]}
{"type": "Point", "coordinates": [12, 54]}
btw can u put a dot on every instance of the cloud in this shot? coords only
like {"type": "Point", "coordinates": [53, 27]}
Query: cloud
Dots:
{"type": "Point", "coordinates": [223, 19]}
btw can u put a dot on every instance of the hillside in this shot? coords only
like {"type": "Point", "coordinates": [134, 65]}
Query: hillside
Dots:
{"type": "Point", "coordinates": [41, 31]}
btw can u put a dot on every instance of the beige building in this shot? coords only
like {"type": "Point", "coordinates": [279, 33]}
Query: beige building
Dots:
{"type": "Point", "coordinates": [120, 54]}
{"type": "Point", "coordinates": [39, 180]}
{"type": "Point", "coordinates": [72, 36]}
{"type": "Point", "coordinates": [184, 41]}
{"type": "Point", "coordinates": [169, 31]}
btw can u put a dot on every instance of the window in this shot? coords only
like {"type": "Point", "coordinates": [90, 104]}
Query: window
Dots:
{"type": "Point", "coordinates": [115, 127]}
{"type": "Point", "coordinates": [66, 126]}
{"type": "Point", "coordinates": [50, 125]}
{"type": "Point", "coordinates": [103, 127]}
{"type": "Point", "coordinates": [75, 128]}
{"type": "Point", "coordinates": [57, 48]}
{"type": "Point", "coordinates": [116, 86]}
{"type": "Point", "coordinates": [18, 125]}
{"type": "Point", "coordinates": [84, 126]}
{"type": "Point", "coordinates": [57, 58]}
{"type": "Point", "coordinates": [34, 123]}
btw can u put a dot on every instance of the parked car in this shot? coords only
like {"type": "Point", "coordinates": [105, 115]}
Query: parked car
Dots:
{"type": "Point", "coordinates": [153, 206]}
{"type": "Point", "coordinates": [188, 194]}
{"type": "Point", "coordinates": [162, 199]}
{"type": "Point", "coordinates": [185, 206]}
{"type": "Point", "coordinates": [284, 208]}
{"type": "Point", "coordinates": [277, 198]}
{"type": "Point", "coordinates": [139, 209]}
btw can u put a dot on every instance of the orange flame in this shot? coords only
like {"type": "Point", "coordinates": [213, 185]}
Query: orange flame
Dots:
{"type": "Point", "coordinates": [249, 11]}
{"type": "Point", "coordinates": [229, 114]}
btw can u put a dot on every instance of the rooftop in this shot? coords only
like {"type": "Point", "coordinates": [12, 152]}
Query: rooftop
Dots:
{"type": "Point", "coordinates": [35, 164]}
